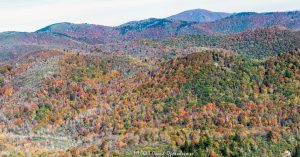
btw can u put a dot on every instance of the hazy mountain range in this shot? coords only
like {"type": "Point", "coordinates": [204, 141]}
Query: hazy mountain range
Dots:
{"type": "Point", "coordinates": [193, 22]}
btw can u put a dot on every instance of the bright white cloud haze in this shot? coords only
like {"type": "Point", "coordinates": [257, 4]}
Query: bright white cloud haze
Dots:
{"type": "Point", "coordinates": [30, 15]}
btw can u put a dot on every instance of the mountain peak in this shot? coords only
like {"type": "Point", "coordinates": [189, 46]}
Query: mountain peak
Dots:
{"type": "Point", "coordinates": [199, 15]}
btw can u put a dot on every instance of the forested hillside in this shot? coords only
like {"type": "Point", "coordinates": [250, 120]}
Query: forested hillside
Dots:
{"type": "Point", "coordinates": [260, 42]}
{"type": "Point", "coordinates": [207, 103]}
{"type": "Point", "coordinates": [250, 20]}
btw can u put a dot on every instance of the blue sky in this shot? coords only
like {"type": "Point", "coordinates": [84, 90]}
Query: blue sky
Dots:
{"type": "Point", "coordinates": [30, 15]}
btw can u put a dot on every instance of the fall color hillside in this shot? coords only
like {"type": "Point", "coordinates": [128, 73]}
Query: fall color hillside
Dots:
{"type": "Point", "coordinates": [84, 104]}
{"type": "Point", "coordinates": [259, 42]}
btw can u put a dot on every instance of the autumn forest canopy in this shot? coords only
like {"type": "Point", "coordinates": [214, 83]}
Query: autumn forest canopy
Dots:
{"type": "Point", "coordinates": [220, 85]}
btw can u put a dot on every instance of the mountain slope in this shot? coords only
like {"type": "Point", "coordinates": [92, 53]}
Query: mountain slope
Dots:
{"type": "Point", "coordinates": [155, 29]}
{"type": "Point", "coordinates": [14, 44]}
{"type": "Point", "coordinates": [246, 21]}
{"type": "Point", "coordinates": [210, 102]}
{"type": "Point", "coordinates": [260, 42]}
{"type": "Point", "coordinates": [199, 15]}
{"type": "Point", "coordinates": [256, 43]}
{"type": "Point", "coordinates": [158, 29]}
{"type": "Point", "coordinates": [84, 36]}
{"type": "Point", "coordinates": [263, 41]}
{"type": "Point", "coordinates": [92, 34]}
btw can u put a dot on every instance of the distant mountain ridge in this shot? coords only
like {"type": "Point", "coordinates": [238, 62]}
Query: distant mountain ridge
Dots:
{"type": "Point", "coordinates": [83, 32]}
{"type": "Point", "coordinates": [14, 44]}
{"type": "Point", "coordinates": [199, 15]}
{"type": "Point", "coordinates": [83, 36]}
{"type": "Point", "coordinates": [158, 29]}
{"type": "Point", "coordinates": [250, 20]}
